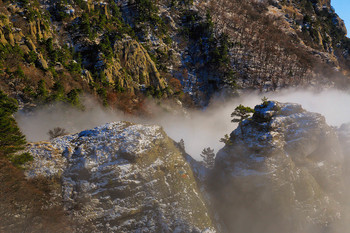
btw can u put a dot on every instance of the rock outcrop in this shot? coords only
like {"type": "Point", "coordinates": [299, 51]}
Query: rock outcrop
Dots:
{"type": "Point", "coordinates": [281, 172]}
{"type": "Point", "coordinates": [137, 61]}
{"type": "Point", "coordinates": [122, 177]}
{"type": "Point", "coordinates": [132, 68]}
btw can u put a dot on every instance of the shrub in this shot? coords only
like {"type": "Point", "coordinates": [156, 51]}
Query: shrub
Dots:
{"type": "Point", "coordinates": [226, 140]}
{"type": "Point", "coordinates": [42, 92]}
{"type": "Point", "coordinates": [57, 132]}
{"type": "Point", "coordinates": [21, 159]}
{"type": "Point", "coordinates": [73, 97]}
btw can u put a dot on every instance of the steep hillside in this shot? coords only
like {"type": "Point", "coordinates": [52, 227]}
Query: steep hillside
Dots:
{"type": "Point", "coordinates": [123, 51]}
{"type": "Point", "coordinates": [278, 44]}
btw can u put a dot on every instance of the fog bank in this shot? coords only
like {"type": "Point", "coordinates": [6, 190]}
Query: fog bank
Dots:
{"type": "Point", "coordinates": [198, 128]}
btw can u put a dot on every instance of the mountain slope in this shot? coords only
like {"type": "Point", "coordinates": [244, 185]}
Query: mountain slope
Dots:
{"type": "Point", "coordinates": [119, 50]}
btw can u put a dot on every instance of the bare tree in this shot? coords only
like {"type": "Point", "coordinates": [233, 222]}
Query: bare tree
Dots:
{"type": "Point", "coordinates": [57, 132]}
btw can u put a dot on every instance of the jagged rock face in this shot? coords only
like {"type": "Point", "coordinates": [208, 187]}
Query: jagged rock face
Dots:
{"type": "Point", "coordinates": [137, 61]}
{"type": "Point", "coordinates": [132, 67]}
{"type": "Point", "coordinates": [122, 177]}
{"type": "Point", "coordinates": [281, 173]}
{"type": "Point", "coordinates": [11, 35]}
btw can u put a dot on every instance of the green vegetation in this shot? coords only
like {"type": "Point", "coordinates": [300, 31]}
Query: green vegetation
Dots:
{"type": "Point", "coordinates": [42, 92]}
{"type": "Point", "coordinates": [265, 101]}
{"type": "Point", "coordinates": [324, 24]}
{"type": "Point", "coordinates": [214, 49]}
{"type": "Point", "coordinates": [240, 114]}
{"type": "Point", "coordinates": [103, 94]}
{"type": "Point", "coordinates": [208, 157]}
{"type": "Point", "coordinates": [148, 12]}
{"type": "Point", "coordinates": [10, 55]}
{"type": "Point", "coordinates": [57, 93]}
{"type": "Point", "coordinates": [226, 140]}
{"type": "Point", "coordinates": [11, 138]}
{"type": "Point", "coordinates": [73, 98]}
{"type": "Point", "coordinates": [21, 159]}
{"type": "Point", "coordinates": [106, 48]}
{"type": "Point", "coordinates": [256, 52]}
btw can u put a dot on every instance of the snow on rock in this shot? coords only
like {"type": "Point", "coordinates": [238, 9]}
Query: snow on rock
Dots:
{"type": "Point", "coordinates": [123, 177]}
{"type": "Point", "coordinates": [284, 165]}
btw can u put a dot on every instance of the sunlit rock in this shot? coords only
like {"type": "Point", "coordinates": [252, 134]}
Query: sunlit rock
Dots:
{"type": "Point", "coordinates": [122, 177]}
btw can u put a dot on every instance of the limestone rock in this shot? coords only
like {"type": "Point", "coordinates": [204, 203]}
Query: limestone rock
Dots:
{"type": "Point", "coordinates": [2, 37]}
{"type": "Point", "coordinates": [282, 172]}
{"type": "Point", "coordinates": [135, 59]}
{"type": "Point", "coordinates": [42, 61]}
{"type": "Point", "coordinates": [122, 177]}
{"type": "Point", "coordinates": [30, 44]}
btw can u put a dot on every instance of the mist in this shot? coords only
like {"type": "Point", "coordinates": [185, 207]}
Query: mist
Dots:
{"type": "Point", "coordinates": [198, 128]}
{"type": "Point", "coordinates": [204, 128]}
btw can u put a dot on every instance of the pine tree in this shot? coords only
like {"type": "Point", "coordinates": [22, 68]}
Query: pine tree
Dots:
{"type": "Point", "coordinates": [11, 138]}
{"type": "Point", "coordinates": [181, 144]}
{"type": "Point", "coordinates": [265, 101]}
{"type": "Point", "coordinates": [208, 156]}
{"type": "Point", "coordinates": [240, 114]}
{"type": "Point", "coordinates": [42, 92]}
{"type": "Point", "coordinates": [226, 139]}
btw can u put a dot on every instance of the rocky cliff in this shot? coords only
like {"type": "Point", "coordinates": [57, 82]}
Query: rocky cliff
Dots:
{"type": "Point", "coordinates": [123, 177]}
{"type": "Point", "coordinates": [281, 171]}
{"type": "Point", "coordinates": [167, 49]}
{"type": "Point", "coordinates": [133, 68]}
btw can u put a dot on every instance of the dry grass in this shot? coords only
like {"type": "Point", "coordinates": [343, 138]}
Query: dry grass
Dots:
{"type": "Point", "coordinates": [25, 206]}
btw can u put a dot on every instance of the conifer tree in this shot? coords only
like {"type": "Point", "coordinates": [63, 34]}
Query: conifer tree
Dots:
{"type": "Point", "coordinates": [208, 156]}
{"type": "Point", "coordinates": [240, 114]}
{"type": "Point", "coordinates": [11, 138]}
{"type": "Point", "coordinates": [181, 144]}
